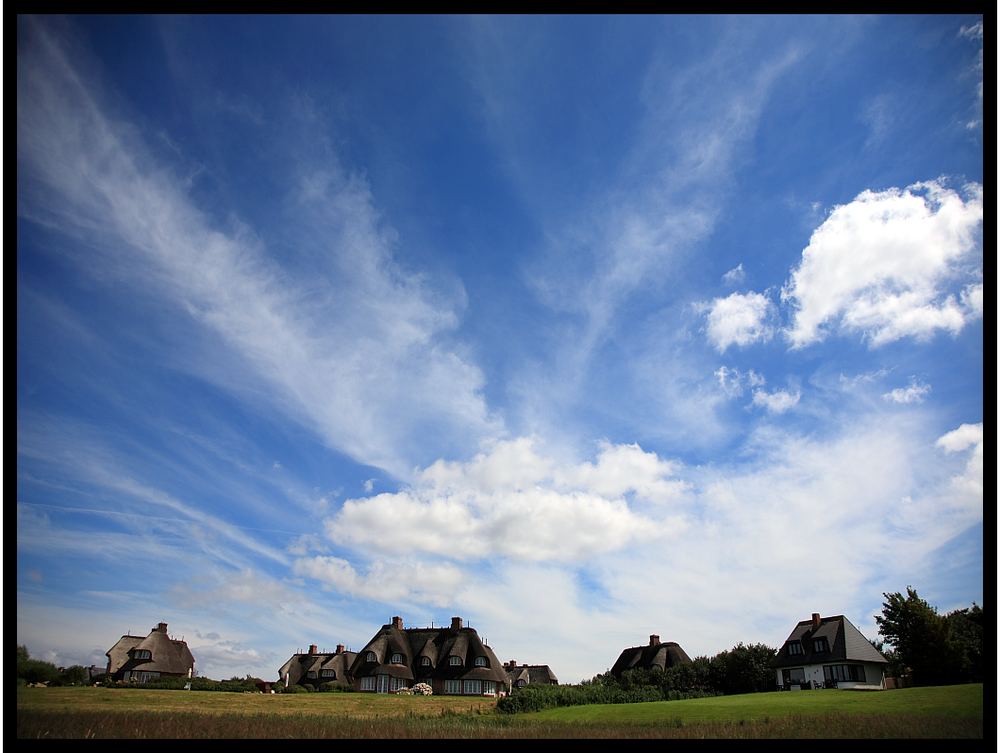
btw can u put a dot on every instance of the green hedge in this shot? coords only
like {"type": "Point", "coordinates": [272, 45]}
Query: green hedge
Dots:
{"type": "Point", "coordinates": [539, 697]}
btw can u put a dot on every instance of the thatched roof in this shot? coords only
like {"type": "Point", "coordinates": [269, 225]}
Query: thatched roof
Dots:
{"type": "Point", "coordinates": [845, 642]}
{"type": "Point", "coordinates": [299, 665]}
{"type": "Point", "coordinates": [537, 674]}
{"type": "Point", "coordinates": [656, 655]}
{"type": "Point", "coordinates": [438, 645]}
{"type": "Point", "coordinates": [167, 656]}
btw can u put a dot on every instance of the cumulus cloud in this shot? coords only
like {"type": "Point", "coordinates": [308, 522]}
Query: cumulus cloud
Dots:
{"type": "Point", "coordinates": [516, 501]}
{"type": "Point", "coordinates": [884, 266]}
{"type": "Point", "coordinates": [738, 319]}
{"type": "Point", "coordinates": [914, 393]}
{"type": "Point", "coordinates": [778, 401]}
{"type": "Point", "coordinates": [433, 583]}
{"type": "Point", "coordinates": [969, 483]}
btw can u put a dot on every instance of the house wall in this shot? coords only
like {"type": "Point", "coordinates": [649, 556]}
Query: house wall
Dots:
{"type": "Point", "coordinates": [814, 672]}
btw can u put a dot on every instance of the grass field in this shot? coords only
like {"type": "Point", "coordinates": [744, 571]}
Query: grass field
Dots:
{"type": "Point", "coordinates": [941, 712]}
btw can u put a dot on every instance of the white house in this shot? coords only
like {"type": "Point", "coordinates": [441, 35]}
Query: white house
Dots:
{"type": "Point", "coordinates": [828, 652]}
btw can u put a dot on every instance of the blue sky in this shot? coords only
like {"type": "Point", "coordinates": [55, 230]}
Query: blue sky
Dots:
{"type": "Point", "coordinates": [581, 328]}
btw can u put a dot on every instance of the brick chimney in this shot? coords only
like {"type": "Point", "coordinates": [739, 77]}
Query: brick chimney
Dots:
{"type": "Point", "coordinates": [815, 620]}
{"type": "Point", "coordinates": [340, 648]}
{"type": "Point", "coordinates": [456, 623]}
{"type": "Point", "coordinates": [313, 649]}
{"type": "Point", "coordinates": [161, 627]}
{"type": "Point", "coordinates": [397, 622]}
{"type": "Point", "coordinates": [512, 663]}
{"type": "Point", "coordinates": [654, 640]}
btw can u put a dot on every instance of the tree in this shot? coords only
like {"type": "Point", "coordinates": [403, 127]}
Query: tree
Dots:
{"type": "Point", "coordinates": [922, 638]}
{"type": "Point", "coordinates": [743, 669]}
{"type": "Point", "coordinates": [33, 670]}
{"type": "Point", "coordinates": [965, 631]}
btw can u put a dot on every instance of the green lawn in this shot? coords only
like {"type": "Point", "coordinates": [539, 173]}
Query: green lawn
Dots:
{"type": "Point", "coordinates": [957, 701]}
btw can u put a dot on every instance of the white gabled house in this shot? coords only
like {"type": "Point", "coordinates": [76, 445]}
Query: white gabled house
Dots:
{"type": "Point", "coordinates": [828, 652]}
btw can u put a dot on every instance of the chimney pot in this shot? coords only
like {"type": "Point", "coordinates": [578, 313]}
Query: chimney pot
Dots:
{"type": "Point", "coordinates": [456, 623]}
{"type": "Point", "coordinates": [313, 648]}
{"type": "Point", "coordinates": [816, 619]}
{"type": "Point", "coordinates": [654, 640]}
{"type": "Point", "coordinates": [162, 627]}
{"type": "Point", "coordinates": [397, 622]}
{"type": "Point", "coordinates": [340, 648]}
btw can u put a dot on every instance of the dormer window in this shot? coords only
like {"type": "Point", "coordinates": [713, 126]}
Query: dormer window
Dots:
{"type": "Point", "coordinates": [481, 661]}
{"type": "Point", "coordinates": [370, 657]}
{"type": "Point", "coordinates": [311, 675]}
{"type": "Point", "coordinates": [397, 659]}
{"type": "Point", "coordinates": [329, 673]}
{"type": "Point", "coordinates": [820, 646]}
{"type": "Point", "coordinates": [795, 648]}
{"type": "Point", "coordinates": [455, 661]}
{"type": "Point", "coordinates": [142, 653]}
{"type": "Point", "coordinates": [425, 661]}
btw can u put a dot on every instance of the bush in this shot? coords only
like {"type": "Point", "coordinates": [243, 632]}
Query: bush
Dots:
{"type": "Point", "coordinates": [296, 689]}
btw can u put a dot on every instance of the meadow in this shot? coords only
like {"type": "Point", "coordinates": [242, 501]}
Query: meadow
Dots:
{"type": "Point", "coordinates": [91, 712]}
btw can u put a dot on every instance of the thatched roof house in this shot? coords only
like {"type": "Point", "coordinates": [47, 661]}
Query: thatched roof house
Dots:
{"type": "Point", "coordinates": [656, 655]}
{"type": "Point", "coordinates": [140, 659]}
{"type": "Point", "coordinates": [528, 674]}
{"type": "Point", "coordinates": [452, 660]}
{"type": "Point", "coordinates": [316, 668]}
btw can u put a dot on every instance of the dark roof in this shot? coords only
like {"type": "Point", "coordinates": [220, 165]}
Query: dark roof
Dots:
{"type": "Point", "coordinates": [846, 643]}
{"type": "Point", "coordinates": [537, 674]}
{"type": "Point", "coordinates": [299, 665]}
{"type": "Point", "coordinates": [656, 655]}
{"type": "Point", "coordinates": [438, 645]}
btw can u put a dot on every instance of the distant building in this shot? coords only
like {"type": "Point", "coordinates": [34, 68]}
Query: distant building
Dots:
{"type": "Point", "coordinates": [316, 668]}
{"type": "Point", "coordinates": [828, 652]}
{"type": "Point", "coordinates": [452, 660]}
{"type": "Point", "coordinates": [656, 655]}
{"type": "Point", "coordinates": [139, 659]}
{"type": "Point", "coordinates": [519, 676]}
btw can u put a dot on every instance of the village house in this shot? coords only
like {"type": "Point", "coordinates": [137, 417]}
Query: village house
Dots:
{"type": "Point", "coordinates": [139, 659]}
{"type": "Point", "coordinates": [452, 660]}
{"type": "Point", "coordinates": [528, 674]}
{"type": "Point", "coordinates": [655, 655]}
{"type": "Point", "coordinates": [828, 652]}
{"type": "Point", "coordinates": [318, 668]}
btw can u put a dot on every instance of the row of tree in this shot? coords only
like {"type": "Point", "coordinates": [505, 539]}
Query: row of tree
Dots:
{"type": "Point", "coordinates": [35, 670]}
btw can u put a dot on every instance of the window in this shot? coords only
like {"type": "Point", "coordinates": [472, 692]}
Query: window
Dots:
{"type": "Point", "coordinates": [472, 687]}
{"type": "Point", "coordinates": [794, 648]}
{"type": "Point", "coordinates": [142, 654]}
{"type": "Point", "coordinates": [481, 661]}
{"type": "Point", "coordinates": [368, 683]}
{"type": "Point", "coordinates": [847, 672]}
{"type": "Point", "coordinates": [455, 661]}
{"type": "Point", "coordinates": [794, 676]}
{"type": "Point", "coordinates": [489, 687]}
{"type": "Point", "coordinates": [425, 661]}
{"type": "Point", "coordinates": [452, 687]}
{"type": "Point", "coordinates": [144, 677]}
{"type": "Point", "coordinates": [396, 683]}
{"type": "Point", "coordinates": [329, 673]}
{"type": "Point", "coordinates": [370, 657]}
{"type": "Point", "coordinates": [820, 646]}
{"type": "Point", "coordinates": [311, 675]}
{"type": "Point", "coordinates": [397, 659]}
{"type": "Point", "coordinates": [520, 683]}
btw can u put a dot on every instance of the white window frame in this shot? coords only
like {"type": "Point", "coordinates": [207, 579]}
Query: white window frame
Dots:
{"type": "Point", "coordinates": [481, 661]}
{"type": "Point", "coordinates": [489, 687]}
{"type": "Point", "coordinates": [472, 687]}
{"type": "Point", "coordinates": [455, 661]}
{"type": "Point", "coordinates": [397, 658]}
{"type": "Point", "coordinates": [328, 673]}
{"type": "Point", "coordinates": [453, 687]}
{"type": "Point", "coordinates": [368, 683]}
{"type": "Point", "coordinates": [425, 661]}
{"type": "Point", "coordinates": [371, 657]}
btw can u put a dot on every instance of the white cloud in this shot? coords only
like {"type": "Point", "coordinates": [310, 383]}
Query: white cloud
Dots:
{"type": "Point", "coordinates": [881, 266]}
{"type": "Point", "coordinates": [427, 582]}
{"type": "Point", "coordinates": [914, 393]}
{"type": "Point", "coordinates": [517, 502]}
{"type": "Point", "coordinates": [738, 319]}
{"type": "Point", "coordinates": [732, 381]}
{"type": "Point", "coordinates": [965, 436]}
{"type": "Point", "coordinates": [778, 401]}
{"type": "Point", "coordinates": [735, 276]}
{"type": "Point", "coordinates": [357, 348]}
